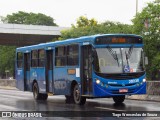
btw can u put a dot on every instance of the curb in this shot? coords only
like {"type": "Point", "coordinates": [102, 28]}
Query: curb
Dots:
{"type": "Point", "coordinates": [8, 88]}
{"type": "Point", "coordinates": [154, 98]}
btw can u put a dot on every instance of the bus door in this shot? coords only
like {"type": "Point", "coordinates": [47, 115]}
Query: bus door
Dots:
{"type": "Point", "coordinates": [86, 67]}
{"type": "Point", "coordinates": [27, 71]}
{"type": "Point", "coordinates": [49, 71]}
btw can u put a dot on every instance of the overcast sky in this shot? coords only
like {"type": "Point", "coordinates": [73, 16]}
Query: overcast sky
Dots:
{"type": "Point", "coordinates": [65, 12]}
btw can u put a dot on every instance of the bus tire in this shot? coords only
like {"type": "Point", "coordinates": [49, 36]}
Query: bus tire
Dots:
{"type": "Point", "coordinates": [119, 99]}
{"type": "Point", "coordinates": [36, 94]}
{"type": "Point", "coordinates": [43, 96]}
{"type": "Point", "coordinates": [78, 99]}
{"type": "Point", "coordinates": [69, 99]}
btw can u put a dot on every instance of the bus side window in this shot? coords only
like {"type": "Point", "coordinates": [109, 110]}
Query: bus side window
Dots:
{"type": "Point", "coordinates": [60, 56]}
{"type": "Point", "coordinates": [41, 56]}
{"type": "Point", "coordinates": [19, 60]}
{"type": "Point", "coordinates": [34, 62]}
{"type": "Point", "coordinates": [72, 55]}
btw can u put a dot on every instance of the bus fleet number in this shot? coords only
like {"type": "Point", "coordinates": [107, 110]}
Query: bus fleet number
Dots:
{"type": "Point", "coordinates": [134, 81]}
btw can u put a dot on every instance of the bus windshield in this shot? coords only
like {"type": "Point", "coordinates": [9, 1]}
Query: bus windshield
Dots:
{"type": "Point", "coordinates": [119, 60]}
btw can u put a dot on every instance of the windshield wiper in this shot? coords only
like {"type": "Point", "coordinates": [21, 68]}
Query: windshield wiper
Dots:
{"type": "Point", "coordinates": [128, 55]}
{"type": "Point", "coordinates": [130, 52]}
{"type": "Point", "coordinates": [113, 53]}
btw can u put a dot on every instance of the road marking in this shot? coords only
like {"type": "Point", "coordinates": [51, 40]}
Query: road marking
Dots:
{"type": "Point", "coordinates": [4, 107]}
{"type": "Point", "coordinates": [14, 97]}
{"type": "Point", "coordinates": [109, 109]}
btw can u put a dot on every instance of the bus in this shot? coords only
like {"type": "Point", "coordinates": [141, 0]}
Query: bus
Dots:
{"type": "Point", "coordinates": [97, 66]}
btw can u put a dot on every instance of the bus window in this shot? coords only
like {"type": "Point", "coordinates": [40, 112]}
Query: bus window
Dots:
{"type": "Point", "coordinates": [72, 55]}
{"type": "Point", "coordinates": [41, 55]}
{"type": "Point", "coordinates": [34, 62]}
{"type": "Point", "coordinates": [60, 56]}
{"type": "Point", "coordinates": [19, 60]}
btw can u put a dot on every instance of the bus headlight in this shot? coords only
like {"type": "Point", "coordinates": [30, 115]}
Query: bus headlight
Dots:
{"type": "Point", "coordinates": [98, 81]}
{"type": "Point", "coordinates": [144, 80]}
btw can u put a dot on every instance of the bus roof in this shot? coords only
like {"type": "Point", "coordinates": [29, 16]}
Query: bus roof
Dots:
{"type": "Point", "coordinates": [71, 40]}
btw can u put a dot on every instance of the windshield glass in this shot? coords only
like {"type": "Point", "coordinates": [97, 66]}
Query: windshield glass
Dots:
{"type": "Point", "coordinates": [119, 60]}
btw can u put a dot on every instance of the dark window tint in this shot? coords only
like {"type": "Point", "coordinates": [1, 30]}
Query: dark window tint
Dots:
{"type": "Point", "coordinates": [19, 59]}
{"type": "Point", "coordinates": [72, 55]}
{"type": "Point", "coordinates": [60, 56]}
{"type": "Point", "coordinates": [41, 56]}
{"type": "Point", "coordinates": [34, 62]}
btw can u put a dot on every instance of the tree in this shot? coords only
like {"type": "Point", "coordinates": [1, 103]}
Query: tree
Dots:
{"type": "Point", "coordinates": [83, 21]}
{"type": "Point", "coordinates": [7, 60]}
{"type": "Point", "coordinates": [147, 24]}
{"type": "Point", "coordinates": [84, 27]}
{"type": "Point", "coordinates": [29, 19]}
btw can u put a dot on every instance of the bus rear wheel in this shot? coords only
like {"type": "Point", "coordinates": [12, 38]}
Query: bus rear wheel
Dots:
{"type": "Point", "coordinates": [43, 96]}
{"type": "Point", "coordinates": [36, 94]}
{"type": "Point", "coordinates": [119, 99]}
{"type": "Point", "coordinates": [69, 99]}
{"type": "Point", "coordinates": [78, 99]}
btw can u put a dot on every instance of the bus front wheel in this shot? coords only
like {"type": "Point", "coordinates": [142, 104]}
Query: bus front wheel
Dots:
{"type": "Point", "coordinates": [119, 99]}
{"type": "Point", "coordinates": [78, 99]}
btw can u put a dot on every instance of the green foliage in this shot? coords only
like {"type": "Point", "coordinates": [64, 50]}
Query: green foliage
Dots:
{"type": "Point", "coordinates": [29, 19]}
{"type": "Point", "coordinates": [83, 21]}
{"type": "Point", "coordinates": [147, 23]}
{"type": "Point", "coordinates": [85, 27]}
{"type": "Point", "coordinates": [7, 60]}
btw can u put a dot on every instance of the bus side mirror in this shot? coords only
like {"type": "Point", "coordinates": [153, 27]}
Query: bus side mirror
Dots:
{"type": "Point", "coordinates": [146, 60]}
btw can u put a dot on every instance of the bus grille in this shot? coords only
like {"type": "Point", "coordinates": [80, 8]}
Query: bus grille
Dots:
{"type": "Point", "coordinates": [120, 85]}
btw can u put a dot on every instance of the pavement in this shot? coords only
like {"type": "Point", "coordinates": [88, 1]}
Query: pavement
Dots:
{"type": "Point", "coordinates": [155, 98]}
{"type": "Point", "coordinates": [8, 88]}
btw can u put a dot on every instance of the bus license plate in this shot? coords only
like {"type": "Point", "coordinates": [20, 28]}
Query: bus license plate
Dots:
{"type": "Point", "coordinates": [123, 90]}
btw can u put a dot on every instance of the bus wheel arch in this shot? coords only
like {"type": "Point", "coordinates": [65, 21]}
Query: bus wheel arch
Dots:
{"type": "Point", "coordinates": [34, 81]}
{"type": "Point", "coordinates": [36, 94]}
{"type": "Point", "coordinates": [76, 93]}
{"type": "Point", "coordinates": [35, 89]}
{"type": "Point", "coordinates": [69, 98]}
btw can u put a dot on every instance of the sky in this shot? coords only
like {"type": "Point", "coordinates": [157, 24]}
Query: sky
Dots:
{"type": "Point", "coordinates": [66, 12]}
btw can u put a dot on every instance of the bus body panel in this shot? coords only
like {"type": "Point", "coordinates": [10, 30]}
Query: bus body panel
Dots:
{"type": "Point", "coordinates": [38, 74]}
{"type": "Point", "coordinates": [20, 79]}
{"type": "Point", "coordinates": [28, 85]}
{"type": "Point", "coordinates": [63, 80]}
{"type": "Point", "coordinates": [50, 79]}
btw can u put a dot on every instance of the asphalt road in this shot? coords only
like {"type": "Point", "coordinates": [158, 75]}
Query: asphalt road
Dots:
{"type": "Point", "coordinates": [98, 109]}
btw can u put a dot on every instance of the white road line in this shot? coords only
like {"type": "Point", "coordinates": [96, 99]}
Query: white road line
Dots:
{"type": "Point", "coordinates": [14, 97]}
{"type": "Point", "coordinates": [109, 109]}
{"type": "Point", "coordinates": [4, 107]}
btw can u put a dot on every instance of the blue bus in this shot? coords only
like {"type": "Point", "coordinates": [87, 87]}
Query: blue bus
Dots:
{"type": "Point", "coordinates": [97, 66]}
